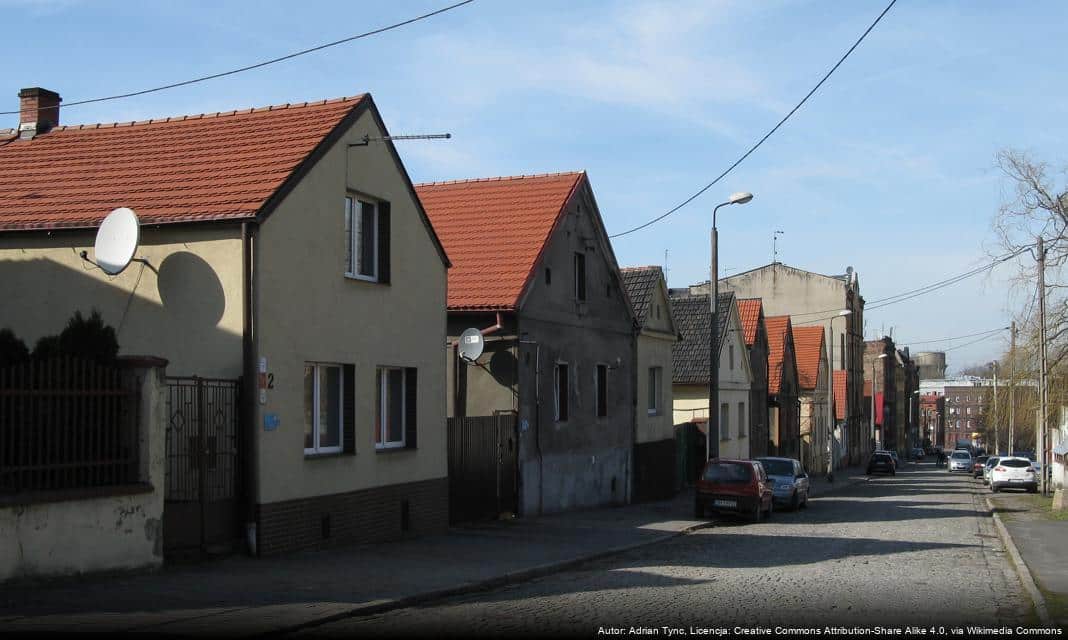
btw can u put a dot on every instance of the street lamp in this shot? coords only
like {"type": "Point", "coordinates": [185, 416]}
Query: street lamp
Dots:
{"type": "Point", "coordinates": [712, 448]}
{"type": "Point", "coordinates": [830, 394]}
{"type": "Point", "coordinates": [874, 386]}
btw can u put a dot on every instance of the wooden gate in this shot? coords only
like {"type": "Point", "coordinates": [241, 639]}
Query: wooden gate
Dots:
{"type": "Point", "coordinates": [201, 499]}
{"type": "Point", "coordinates": [483, 467]}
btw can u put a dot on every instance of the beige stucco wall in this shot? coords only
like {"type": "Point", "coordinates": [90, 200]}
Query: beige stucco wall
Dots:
{"type": "Point", "coordinates": [185, 307]}
{"type": "Point", "coordinates": [95, 534]}
{"type": "Point", "coordinates": [310, 312]}
{"type": "Point", "coordinates": [654, 350]}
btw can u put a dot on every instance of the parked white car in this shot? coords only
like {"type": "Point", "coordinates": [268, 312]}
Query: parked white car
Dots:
{"type": "Point", "coordinates": [991, 462]}
{"type": "Point", "coordinates": [1013, 473]}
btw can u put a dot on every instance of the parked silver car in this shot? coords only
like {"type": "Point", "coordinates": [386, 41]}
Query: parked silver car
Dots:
{"type": "Point", "coordinates": [960, 460]}
{"type": "Point", "coordinates": [790, 481]}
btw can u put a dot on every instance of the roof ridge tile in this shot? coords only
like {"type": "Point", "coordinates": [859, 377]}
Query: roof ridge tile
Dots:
{"type": "Point", "coordinates": [557, 174]}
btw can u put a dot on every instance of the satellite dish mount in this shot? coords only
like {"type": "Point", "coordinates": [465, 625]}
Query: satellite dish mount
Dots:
{"type": "Point", "coordinates": [116, 242]}
{"type": "Point", "coordinates": [471, 345]}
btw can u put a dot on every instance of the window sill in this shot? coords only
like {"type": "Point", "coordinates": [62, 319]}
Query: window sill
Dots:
{"type": "Point", "coordinates": [328, 454]}
{"type": "Point", "coordinates": [394, 449]}
{"type": "Point", "coordinates": [350, 276]}
{"type": "Point", "coordinates": [72, 495]}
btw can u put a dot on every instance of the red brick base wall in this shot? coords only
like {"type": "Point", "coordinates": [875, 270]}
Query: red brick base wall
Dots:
{"type": "Point", "coordinates": [357, 517]}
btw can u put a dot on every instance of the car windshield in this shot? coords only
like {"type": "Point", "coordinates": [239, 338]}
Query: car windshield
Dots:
{"type": "Point", "coordinates": [960, 455]}
{"type": "Point", "coordinates": [992, 461]}
{"type": "Point", "coordinates": [778, 467]}
{"type": "Point", "coordinates": [881, 457]}
{"type": "Point", "coordinates": [981, 459]}
{"type": "Point", "coordinates": [1016, 463]}
{"type": "Point", "coordinates": [728, 473]}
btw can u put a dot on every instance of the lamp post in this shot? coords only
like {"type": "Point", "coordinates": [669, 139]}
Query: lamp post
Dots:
{"type": "Point", "coordinates": [874, 386]}
{"type": "Point", "coordinates": [997, 439]}
{"type": "Point", "coordinates": [712, 448]}
{"type": "Point", "coordinates": [830, 395]}
{"type": "Point", "coordinates": [913, 427]}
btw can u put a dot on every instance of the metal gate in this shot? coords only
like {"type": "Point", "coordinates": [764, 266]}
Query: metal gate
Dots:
{"type": "Point", "coordinates": [483, 467]}
{"type": "Point", "coordinates": [200, 501]}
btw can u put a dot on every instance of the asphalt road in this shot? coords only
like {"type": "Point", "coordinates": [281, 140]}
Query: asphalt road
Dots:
{"type": "Point", "coordinates": [914, 549]}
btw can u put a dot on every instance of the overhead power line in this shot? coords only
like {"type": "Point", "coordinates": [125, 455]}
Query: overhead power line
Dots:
{"type": "Point", "coordinates": [766, 135]}
{"type": "Point", "coordinates": [968, 344]}
{"type": "Point", "coordinates": [265, 63]}
{"type": "Point", "coordinates": [908, 295]}
{"type": "Point", "coordinates": [989, 333]}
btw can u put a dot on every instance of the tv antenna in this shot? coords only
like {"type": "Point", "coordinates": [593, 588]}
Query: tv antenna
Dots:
{"type": "Point", "coordinates": [775, 245]}
{"type": "Point", "coordinates": [116, 242]}
{"type": "Point", "coordinates": [367, 139]}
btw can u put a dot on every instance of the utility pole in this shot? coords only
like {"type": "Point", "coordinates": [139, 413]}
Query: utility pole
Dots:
{"type": "Point", "coordinates": [1043, 374]}
{"type": "Point", "coordinates": [1012, 387]}
{"type": "Point", "coordinates": [997, 439]}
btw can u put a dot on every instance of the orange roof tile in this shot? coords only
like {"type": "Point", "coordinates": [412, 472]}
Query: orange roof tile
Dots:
{"type": "Point", "coordinates": [840, 394]}
{"type": "Point", "coordinates": [222, 166]}
{"type": "Point", "coordinates": [750, 309]}
{"type": "Point", "coordinates": [494, 231]}
{"type": "Point", "coordinates": [808, 345]}
{"type": "Point", "coordinates": [778, 329]}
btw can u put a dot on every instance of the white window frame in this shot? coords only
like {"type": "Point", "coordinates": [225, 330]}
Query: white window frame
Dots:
{"type": "Point", "coordinates": [656, 377]}
{"type": "Point", "coordinates": [382, 400]}
{"type": "Point", "coordinates": [316, 449]}
{"type": "Point", "coordinates": [354, 215]}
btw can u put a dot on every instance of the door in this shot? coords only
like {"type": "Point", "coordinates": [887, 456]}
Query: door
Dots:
{"type": "Point", "coordinates": [483, 467]}
{"type": "Point", "coordinates": [201, 497]}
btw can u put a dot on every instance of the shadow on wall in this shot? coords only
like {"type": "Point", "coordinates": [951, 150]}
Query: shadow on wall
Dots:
{"type": "Point", "coordinates": [40, 295]}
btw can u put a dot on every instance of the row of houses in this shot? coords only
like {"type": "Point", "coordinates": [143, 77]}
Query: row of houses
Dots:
{"type": "Point", "coordinates": [307, 299]}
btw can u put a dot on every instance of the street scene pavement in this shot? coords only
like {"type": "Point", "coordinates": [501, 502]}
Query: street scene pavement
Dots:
{"type": "Point", "coordinates": [916, 548]}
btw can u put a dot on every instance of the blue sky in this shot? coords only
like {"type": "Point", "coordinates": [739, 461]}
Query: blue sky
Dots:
{"type": "Point", "coordinates": [889, 168]}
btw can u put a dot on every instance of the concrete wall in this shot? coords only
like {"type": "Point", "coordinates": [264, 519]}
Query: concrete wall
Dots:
{"type": "Point", "coordinates": [654, 351]}
{"type": "Point", "coordinates": [309, 311]}
{"type": "Point", "coordinates": [186, 307]}
{"type": "Point", "coordinates": [118, 528]}
{"type": "Point", "coordinates": [585, 461]}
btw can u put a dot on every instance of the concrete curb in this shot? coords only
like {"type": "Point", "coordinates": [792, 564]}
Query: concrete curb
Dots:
{"type": "Point", "coordinates": [1021, 567]}
{"type": "Point", "coordinates": [523, 575]}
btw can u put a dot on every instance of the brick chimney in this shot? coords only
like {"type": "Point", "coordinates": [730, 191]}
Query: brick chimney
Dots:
{"type": "Point", "coordinates": [38, 111]}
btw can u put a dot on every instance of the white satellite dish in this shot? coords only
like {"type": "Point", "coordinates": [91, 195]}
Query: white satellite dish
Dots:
{"type": "Point", "coordinates": [471, 345]}
{"type": "Point", "coordinates": [116, 240]}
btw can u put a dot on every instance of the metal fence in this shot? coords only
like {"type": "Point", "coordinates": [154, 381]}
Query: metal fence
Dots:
{"type": "Point", "coordinates": [66, 423]}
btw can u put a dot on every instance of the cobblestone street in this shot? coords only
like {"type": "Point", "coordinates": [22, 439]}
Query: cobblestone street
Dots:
{"type": "Point", "coordinates": [910, 549]}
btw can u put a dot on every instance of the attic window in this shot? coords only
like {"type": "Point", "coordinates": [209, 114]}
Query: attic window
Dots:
{"type": "Point", "coordinates": [580, 276]}
{"type": "Point", "coordinates": [657, 312]}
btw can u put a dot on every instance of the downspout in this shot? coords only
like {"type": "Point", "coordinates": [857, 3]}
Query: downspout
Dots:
{"type": "Point", "coordinates": [537, 418]}
{"type": "Point", "coordinates": [249, 391]}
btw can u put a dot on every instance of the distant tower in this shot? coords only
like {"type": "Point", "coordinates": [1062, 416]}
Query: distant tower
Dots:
{"type": "Point", "coordinates": [932, 365]}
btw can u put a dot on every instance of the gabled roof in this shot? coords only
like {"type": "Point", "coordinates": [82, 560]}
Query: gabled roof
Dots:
{"type": "Point", "coordinates": [778, 332]}
{"type": "Point", "coordinates": [808, 349]}
{"type": "Point", "coordinates": [693, 317]}
{"type": "Point", "coordinates": [840, 394]}
{"type": "Point", "coordinates": [494, 230]}
{"type": "Point", "coordinates": [641, 284]}
{"type": "Point", "coordinates": [750, 310]}
{"type": "Point", "coordinates": [207, 167]}
{"type": "Point", "coordinates": [780, 265]}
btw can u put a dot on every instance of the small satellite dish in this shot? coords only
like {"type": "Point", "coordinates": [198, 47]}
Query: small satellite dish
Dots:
{"type": "Point", "coordinates": [116, 240]}
{"type": "Point", "coordinates": [471, 345]}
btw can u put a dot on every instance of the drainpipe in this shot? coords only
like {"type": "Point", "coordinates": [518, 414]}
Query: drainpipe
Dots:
{"type": "Point", "coordinates": [537, 420]}
{"type": "Point", "coordinates": [249, 373]}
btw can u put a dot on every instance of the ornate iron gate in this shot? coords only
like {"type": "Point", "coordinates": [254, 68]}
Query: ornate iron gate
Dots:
{"type": "Point", "coordinates": [483, 467]}
{"type": "Point", "coordinates": [201, 498]}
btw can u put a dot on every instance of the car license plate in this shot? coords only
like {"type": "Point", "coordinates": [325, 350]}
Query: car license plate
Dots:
{"type": "Point", "coordinates": [725, 503]}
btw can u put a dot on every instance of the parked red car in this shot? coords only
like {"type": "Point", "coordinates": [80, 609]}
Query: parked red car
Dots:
{"type": "Point", "coordinates": [733, 486]}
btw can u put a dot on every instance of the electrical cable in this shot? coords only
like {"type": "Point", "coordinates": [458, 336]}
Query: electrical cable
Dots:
{"type": "Point", "coordinates": [971, 335]}
{"type": "Point", "coordinates": [265, 63]}
{"type": "Point", "coordinates": [766, 135]}
{"type": "Point", "coordinates": [908, 295]}
{"type": "Point", "coordinates": [968, 344]}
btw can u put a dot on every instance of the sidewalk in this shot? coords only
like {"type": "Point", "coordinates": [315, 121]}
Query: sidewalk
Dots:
{"type": "Point", "coordinates": [1039, 536]}
{"type": "Point", "coordinates": [241, 596]}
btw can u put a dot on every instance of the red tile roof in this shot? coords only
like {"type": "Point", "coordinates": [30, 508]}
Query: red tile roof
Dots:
{"type": "Point", "coordinates": [778, 328]}
{"type": "Point", "coordinates": [222, 166]}
{"type": "Point", "coordinates": [494, 231]}
{"type": "Point", "coordinates": [840, 394]}
{"type": "Point", "coordinates": [750, 309]}
{"type": "Point", "coordinates": [808, 345]}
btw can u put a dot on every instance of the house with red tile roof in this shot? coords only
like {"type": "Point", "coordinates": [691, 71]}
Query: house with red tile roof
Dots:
{"type": "Point", "coordinates": [283, 246]}
{"type": "Point", "coordinates": [655, 471]}
{"type": "Point", "coordinates": [692, 357]}
{"type": "Point", "coordinates": [813, 385]}
{"type": "Point", "coordinates": [755, 332]}
{"type": "Point", "coordinates": [534, 273]}
{"type": "Point", "coordinates": [784, 419]}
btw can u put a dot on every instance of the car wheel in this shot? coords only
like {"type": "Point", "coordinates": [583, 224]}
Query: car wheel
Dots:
{"type": "Point", "coordinates": [995, 488]}
{"type": "Point", "coordinates": [698, 510]}
{"type": "Point", "coordinates": [756, 513]}
{"type": "Point", "coordinates": [771, 507]}
{"type": "Point", "coordinates": [795, 502]}
{"type": "Point", "coordinates": [1032, 489]}
{"type": "Point", "coordinates": [804, 503]}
